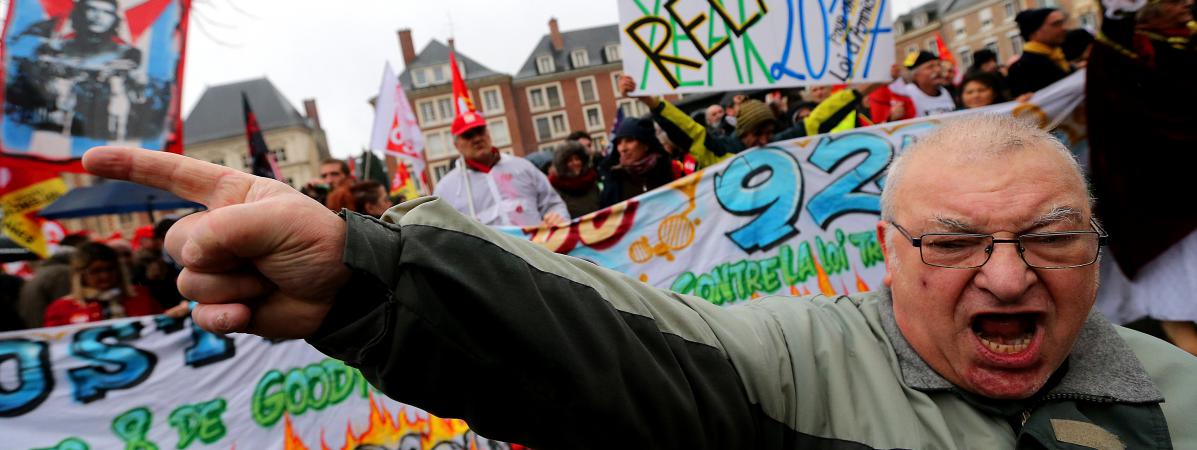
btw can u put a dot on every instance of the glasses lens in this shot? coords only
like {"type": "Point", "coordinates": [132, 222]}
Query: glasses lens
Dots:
{"type": "Point", "coordinates": [1060, 249]}
{"type": "Point", "coordinates": [955, 250]}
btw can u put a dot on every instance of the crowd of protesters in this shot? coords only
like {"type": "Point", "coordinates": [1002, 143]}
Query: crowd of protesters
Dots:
{"type": "Point", "coordinates": [87, 281]}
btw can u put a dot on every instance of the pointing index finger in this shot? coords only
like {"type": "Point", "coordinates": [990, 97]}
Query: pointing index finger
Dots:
{"type": "Point", "coordinates": [199, 181]}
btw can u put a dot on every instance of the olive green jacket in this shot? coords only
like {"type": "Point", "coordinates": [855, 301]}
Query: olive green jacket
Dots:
{"type": "Point", "coordinates": [551, 351]}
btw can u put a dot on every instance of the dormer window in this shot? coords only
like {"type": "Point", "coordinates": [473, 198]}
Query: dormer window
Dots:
{"type": "Point", "coordinates": [920, 20]}
{"type": "Point", "coordinates": [611, 52]}
{"type": "Point", "coordinates": [544, 64]}
{"type": "Point", "coordinates": [579, 58]}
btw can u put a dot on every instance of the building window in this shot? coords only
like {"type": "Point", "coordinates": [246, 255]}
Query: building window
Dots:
{"type": "Point", "coordinates": [632, 108]}
{"type": "Point", "coordinates": [218, 161]}
{"type": "Point", "coordinates": [444, 107]}
{"type": "Point", "coordinates": [440, 74]}
{"type": "Point", "coordinates": [598, 141]}
{"type": "Point", "coordinates": [615, 83]}
{"type": "Point", "coordinates": [920, 20]}
{"type": "Point", "coordinates": [958, 25]}
{"type": "Point", "coordinates": [992, 46]}
{"type": "Point", "coordinates": [427, 111]}
{"type": "Point", "coordinates": [586, 90]}
{"type": "Point", "coordinates": [1008, 10]}
{"type": "Point", "coordinates": [550, 146]}
{"type": "Point", "coordinates": [439, 171]}
{"type": "Point", "coordinates": [986, 19]}
{"type": "Point", "coordinates": [1016, 45]}
{"type": "Point", "coordinates": [545, 96]}
{"type": "Point", "coordinates": [438, 144]}
{"type": "Point", "coordinates": [492, 100]}
{"type": "Point", "coordinates": [594, 117]}
{"type": "Point", "coordinates": [911, 50]}
{"type": "Point", "coordinates": [280, 155]}
{"type": "Point", "coordinates": [579, 58]}
{"type": "Point", "coordinates": [900, 28]}
{"type": "Point", "coordinates": [500, 136]}
{"type": "Point", "coordinates": [419, 78]}
{"type": "Point", "coordinates": [611, 52]}
{"type": "Point", "coordinates": [551, 126]}
{"type": "Point", "coordinates": [966, 56]}
{"type": "Point", "coordinates": [932, 46]}
{"type": "Point", "coordinates": [544, 64]}
{"type": "Point", "coordinates": [1088, 20]}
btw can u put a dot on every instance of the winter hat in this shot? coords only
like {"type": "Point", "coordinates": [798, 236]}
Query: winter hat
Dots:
{"type": "Point", "coordinates": [917, 59]}
{"type": "Point", "coordinates": [752, 115]}
{"type": "Point", "coordinates": [639, 129]}
{"type": "Point", "coordinates": [1031, 20]}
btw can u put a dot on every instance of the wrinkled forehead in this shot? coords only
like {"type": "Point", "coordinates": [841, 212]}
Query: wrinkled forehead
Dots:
{"type": "Point", "coordinates": [1022, 187]}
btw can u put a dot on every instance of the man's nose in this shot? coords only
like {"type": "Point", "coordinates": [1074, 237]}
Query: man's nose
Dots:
{"type": "Point", "coordinates": [1006, 275]}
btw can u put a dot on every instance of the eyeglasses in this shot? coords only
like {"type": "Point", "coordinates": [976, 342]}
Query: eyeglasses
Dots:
{"type": "Point", "coordinates": [1053, 250]}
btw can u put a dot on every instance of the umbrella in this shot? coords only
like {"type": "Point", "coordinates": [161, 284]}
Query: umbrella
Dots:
{"type": "Point", "coordinates": [10, 251]}
{"type": "Point", "coordinates": [113, 197]}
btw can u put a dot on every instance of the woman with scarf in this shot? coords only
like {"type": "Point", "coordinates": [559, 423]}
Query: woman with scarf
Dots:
{"type": "Point", "coordinates": [639, 165]}
{"type": "Point", "coordinates": [574, 180]}
{"type": "Point", "coordinates": [100, 290]}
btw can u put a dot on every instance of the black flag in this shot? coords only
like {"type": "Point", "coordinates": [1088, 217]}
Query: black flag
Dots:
{"type": "Point", "coordinates": [261, 161]}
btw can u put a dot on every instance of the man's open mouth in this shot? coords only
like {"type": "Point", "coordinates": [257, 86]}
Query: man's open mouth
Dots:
{"type": "Point", "coordinates": [1006, 334]}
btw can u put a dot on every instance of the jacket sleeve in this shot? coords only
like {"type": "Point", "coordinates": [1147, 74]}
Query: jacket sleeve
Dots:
{"type": "Point", "coordinates": [828, 115]}
{"type": "Point", "coordinates": [547, 350]}
{"type": "Point", "coordinates": [685, 132]}
{"type": "Point", "coordinates": [547, 198]}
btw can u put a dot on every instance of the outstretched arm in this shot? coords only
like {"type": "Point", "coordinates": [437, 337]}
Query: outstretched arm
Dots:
{"type": "Point", "coordinates": [454, 317]}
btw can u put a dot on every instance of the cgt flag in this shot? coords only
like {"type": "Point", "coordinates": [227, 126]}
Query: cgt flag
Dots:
{"type": "Point", "coordinates": [396, 131]}
{"type": "Point", "coordinates": [461, 94]}
{"type": "Point", "coordinates": [262, 162]}
{"type": "Point", "coordinates": [22, 194]}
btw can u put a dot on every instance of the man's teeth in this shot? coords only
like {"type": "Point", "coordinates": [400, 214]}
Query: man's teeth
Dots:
{"type": "Point", "coordinates": [1007, 346]}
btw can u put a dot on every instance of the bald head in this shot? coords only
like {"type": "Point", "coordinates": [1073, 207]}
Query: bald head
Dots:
{"type": "Point", "coordinates": [979, 140]}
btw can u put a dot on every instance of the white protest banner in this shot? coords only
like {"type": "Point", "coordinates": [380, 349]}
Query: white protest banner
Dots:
{"type": "Point", "coordinates": [794, 218]}
{"type": "Point", "coordinates": [675, 46]}
{"type": "Point", "coordinates": [159, 383]}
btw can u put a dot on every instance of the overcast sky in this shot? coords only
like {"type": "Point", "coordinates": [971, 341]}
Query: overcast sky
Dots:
{"type": "Point", "coordinates": [335, 51]}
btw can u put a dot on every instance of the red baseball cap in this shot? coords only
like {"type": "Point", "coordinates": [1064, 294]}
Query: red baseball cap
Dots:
{"type": "Point", "coordinates": [466, 122]}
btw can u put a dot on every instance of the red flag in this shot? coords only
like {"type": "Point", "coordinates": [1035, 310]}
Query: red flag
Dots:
{"type": "Point", "coordinates": [461, 94]}
{"type": "Point", "coordinates": [943, 51]}
{"type": "Point", "coordinates": [402, 184]}
{"type": "Point", "coordinates": [262, 162]}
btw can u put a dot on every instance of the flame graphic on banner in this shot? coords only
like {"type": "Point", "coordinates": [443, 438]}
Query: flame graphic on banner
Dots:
{"type": "Point", "coordinates": [388, 431]}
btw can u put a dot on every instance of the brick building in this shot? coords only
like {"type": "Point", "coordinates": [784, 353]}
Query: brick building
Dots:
{"type": "Point", "coordinates": [971, 25]}
{"type": "Point", "coordinates": [427, 81]}
{"type": "Point", "coordinates": [569, 83]}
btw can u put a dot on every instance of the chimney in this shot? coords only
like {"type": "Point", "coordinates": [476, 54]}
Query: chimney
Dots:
{"type": "Point", "coordinates": [309, 109]}
{"type": "Point", "coordinates": [406, 46]}
{"type": "Point", "coordinates": [555, 35]}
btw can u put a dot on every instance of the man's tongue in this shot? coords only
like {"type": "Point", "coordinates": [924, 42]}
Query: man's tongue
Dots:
{"type": "Point", "coordinates": [1005, 333]}
{"type": "Point", "coordinates": [1003, 327]}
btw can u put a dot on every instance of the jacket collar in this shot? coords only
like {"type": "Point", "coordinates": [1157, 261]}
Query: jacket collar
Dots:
{"type": "Point", "coordinates": [1101, 365]}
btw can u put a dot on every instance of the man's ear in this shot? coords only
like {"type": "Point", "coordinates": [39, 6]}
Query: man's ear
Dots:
{"type": "Point", "coordinates": [882, 228]}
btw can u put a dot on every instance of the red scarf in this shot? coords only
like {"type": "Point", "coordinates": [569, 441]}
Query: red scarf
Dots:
{"type": "Point", "coordinates": [574, 184]}
{"type": "Point", "coordinates": [483, 167]}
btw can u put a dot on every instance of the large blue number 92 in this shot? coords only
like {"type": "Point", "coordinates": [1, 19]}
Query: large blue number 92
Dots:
{"type": "Point", "coordinates": [766, 183]}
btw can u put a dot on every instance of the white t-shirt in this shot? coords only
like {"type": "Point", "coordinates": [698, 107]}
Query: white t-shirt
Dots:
{"type": "Point", "coordinates": [924, 105]}
{"type": "Point", "coordinates": [513, 193]}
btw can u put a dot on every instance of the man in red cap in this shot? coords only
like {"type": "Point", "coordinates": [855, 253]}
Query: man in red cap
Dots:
{"type": "Point", "coordinates": [494, 188]}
